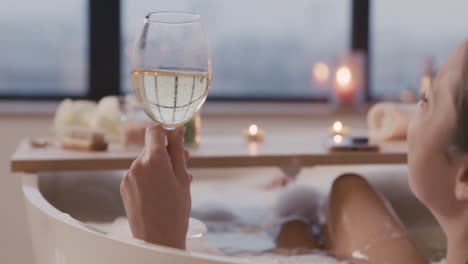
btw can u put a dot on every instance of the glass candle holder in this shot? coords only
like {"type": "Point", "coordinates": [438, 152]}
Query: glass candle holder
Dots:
{"type": "Point", "coordinates": [349, 81]}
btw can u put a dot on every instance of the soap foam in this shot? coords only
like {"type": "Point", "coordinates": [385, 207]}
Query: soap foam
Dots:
{"type": "Point", "coordinates": [237, 210]}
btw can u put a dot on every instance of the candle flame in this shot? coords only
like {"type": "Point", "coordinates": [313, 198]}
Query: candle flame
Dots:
{"type": "Point", "coordinates": [253, 129]}
{"type": "Point", "coordinates": [337, 126]}
{"type": "Point", "coordinates": [337, 139]}
{"type": "Point", "coordinates": [321, 72]}
{"type": "Point", "coordinates": [344, 77]}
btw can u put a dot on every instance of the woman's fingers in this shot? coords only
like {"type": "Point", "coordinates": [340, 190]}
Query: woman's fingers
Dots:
{"type": "Point", "coordinates": [156, 203]}
{"type": "Point", "coordinates": [177, 152]}
{"type": "Point", "coordinates": [156, 149]}
{"type": "Point", "coordinates": [155, 139]}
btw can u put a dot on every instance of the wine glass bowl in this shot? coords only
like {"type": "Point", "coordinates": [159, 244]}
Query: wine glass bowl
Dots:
{"type": "Point", "coordinates": [171, 67]}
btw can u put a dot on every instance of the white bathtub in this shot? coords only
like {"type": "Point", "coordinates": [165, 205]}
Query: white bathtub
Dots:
{"type": "Point", "coordinates": [59, 238]}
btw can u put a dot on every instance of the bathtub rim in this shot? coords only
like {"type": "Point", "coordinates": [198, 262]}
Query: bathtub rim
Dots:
{"type": "Point", "coordinates": [33, 196]}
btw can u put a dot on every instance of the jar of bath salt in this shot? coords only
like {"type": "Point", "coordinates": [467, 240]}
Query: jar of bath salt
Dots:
{"type": "Point", "coordinates": [133, 122]}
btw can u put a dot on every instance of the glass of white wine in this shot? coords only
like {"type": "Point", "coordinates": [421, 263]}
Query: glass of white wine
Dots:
{"type": "Point", "coordinates": [171, 67]}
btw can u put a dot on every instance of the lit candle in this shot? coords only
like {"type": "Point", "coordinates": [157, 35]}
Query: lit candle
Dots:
{"type": "Point", "coordinates": [321, 73]}
{"type": "Point", "coordinates": [344, 84]}
{"type": "Point", "coordinates": [344, 79]}
{"type": "Point", "coordinates": [339, 129]}
{"type": "Point", "coordinates": [348, 81]}
{"type": "Point", "coordinates": [254, 134]}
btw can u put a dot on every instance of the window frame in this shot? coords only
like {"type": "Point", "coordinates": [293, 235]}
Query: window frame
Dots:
{"type": "Point", "coordinates": [104, 55]}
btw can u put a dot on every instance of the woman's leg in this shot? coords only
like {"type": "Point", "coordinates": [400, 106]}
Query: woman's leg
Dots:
{"type": "Point", "coordinates": [295, 234]}
{"type": "Point", "coordinates": [362, 224]}
{"type": "Point", "coordinates": [296, 214]}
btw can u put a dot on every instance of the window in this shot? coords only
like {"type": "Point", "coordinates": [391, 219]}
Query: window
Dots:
{"type": "Point", "coordinates": [405, 33]}
{"type": "Point", "coordinates": [44, 48]}
{"type": "Point", "coordinates": [260, 49]}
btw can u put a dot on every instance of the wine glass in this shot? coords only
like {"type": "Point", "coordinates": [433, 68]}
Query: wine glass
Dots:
{"type": "Point", "coordinates": [171, 67]}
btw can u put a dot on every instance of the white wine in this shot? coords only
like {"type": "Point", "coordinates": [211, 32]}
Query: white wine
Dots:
{"type": "Point", "coordinates": [171, 97]}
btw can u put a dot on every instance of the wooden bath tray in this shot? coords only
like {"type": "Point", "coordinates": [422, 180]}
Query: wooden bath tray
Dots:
{"type": "Point", "coordinates": [213, 152]}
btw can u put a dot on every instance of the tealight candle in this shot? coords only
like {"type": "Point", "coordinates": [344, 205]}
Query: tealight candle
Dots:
{"type": "Point", "coordinates": [339, 129]}
{"type": "Point", "coordinates": [254, 134]}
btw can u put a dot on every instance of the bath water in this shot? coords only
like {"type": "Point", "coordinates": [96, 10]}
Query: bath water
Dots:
{"type": "Point", "coordinates": [237, 211]}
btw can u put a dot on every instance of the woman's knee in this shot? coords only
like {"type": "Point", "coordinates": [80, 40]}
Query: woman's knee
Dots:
{"type": "Point", "coordinates": [348, 181]}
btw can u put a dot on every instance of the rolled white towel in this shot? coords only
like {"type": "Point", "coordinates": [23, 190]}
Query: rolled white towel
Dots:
{"type": "Point", "coordinates": [73, 113]}
{"type": "Point", "coordinates": [106, 117]}
{"type": "Point", "coordinates": [388, 121]}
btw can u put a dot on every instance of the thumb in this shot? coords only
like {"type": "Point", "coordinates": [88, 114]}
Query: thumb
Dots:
{"type": "Point", "coordinates": [176, 150]}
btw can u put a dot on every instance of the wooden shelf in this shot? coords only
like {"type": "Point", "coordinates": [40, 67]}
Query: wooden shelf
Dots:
{"type": "Point", "coordinates": [213, 152]}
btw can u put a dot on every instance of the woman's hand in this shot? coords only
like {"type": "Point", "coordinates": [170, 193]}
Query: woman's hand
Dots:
{"type": "Point", "coordinates": [156, 189]}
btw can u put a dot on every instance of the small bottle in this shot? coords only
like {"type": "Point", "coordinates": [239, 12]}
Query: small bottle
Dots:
{"type": "Point", "coordinates": [192, 131]}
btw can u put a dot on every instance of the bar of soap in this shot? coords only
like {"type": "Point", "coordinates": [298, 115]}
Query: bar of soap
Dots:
{"type": "Point", "coordinates": [79, 138]}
